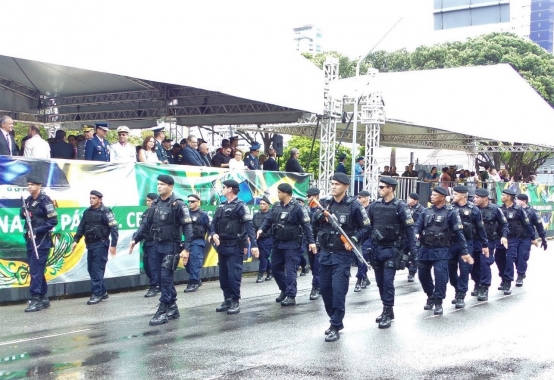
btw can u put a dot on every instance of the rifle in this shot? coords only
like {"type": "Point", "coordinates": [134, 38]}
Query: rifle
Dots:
{"type": "Point", "coordinates": [343, 236]}
{"type": "Point", "coordinates": [29, 226]}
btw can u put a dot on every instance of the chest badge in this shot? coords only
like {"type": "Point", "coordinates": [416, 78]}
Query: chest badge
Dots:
{"type": "Point", "coordinates": [342, 219]}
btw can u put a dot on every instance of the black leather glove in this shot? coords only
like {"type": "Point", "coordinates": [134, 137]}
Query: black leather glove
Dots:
{"type": "Point", "coordinates": [543, 244]}
{"type": "Point", "coordinates": [320, 216]}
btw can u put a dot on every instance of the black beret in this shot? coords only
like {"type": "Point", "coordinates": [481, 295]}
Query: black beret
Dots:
{"type": "Point", "coordinates": [482, 193]}
{"type": "Point", "coordinates": [461, 189]}
{"type": "Point", "coordinates": [166, 179]}
{"type": "Point", "coordinates": [96, 193]}
{"type": "Point", "coordinates": [342, 156]}
{"type": "Point", "coordinates": [152, 196]}
{"type": "Point", "coordinates": [364, 193]}
{"type": "Point", "coordinates": [440, 190]}
{"type": "Point", "coordinates": [509, 192]}
{"type": "Point", "coordinates": [34, 179]}
{"type": "Point", "coordinates": [341, 177]}
{"type": "Point", "coordinates": [301, 199]}
{"type": "Point", "coordinates": [231, 183]}
{"type": "Point", "coordinates": [265, 199]}
{"type": "Point", "coordinates": [388, 180]}
{"type": "Point", "coordinates": [414, 196]}
{"type": "Point", "coordinates": [285, 188]}
{"type": "Point", "coordinates": [312, 191]}
{"type": "Point", "coordinates": [194, 196]}
{"type": "Point", "coordinates": [522, 197]}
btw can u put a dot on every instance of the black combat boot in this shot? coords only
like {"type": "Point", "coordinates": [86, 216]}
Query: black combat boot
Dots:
{"type": "Point", "coordinates": [105, 296]}
{"type": "Point", "coordinates": [153, 291]}
{"type": "Point", "coordinates": [44, 301]}
{"type": "Point", "coordinates": [315, 293]}
{"type": "Point", "coordinates": [94, 299]}
{"type": "Point", "coordinates": [226, 305]}
{"type": "Point", "coordinates": [460, 303]}
{"type": "Point", "coordinates": [191, 288]}
{"type": "Point", "coordinates": [328, 331]}
{"type": "Point", "coordinates": [269, 276]}
{"type": "Point", "coordinates": [161, 315]}
{"type": "Point", "coordinates": [281, 297]}
{"type": "Point", "coordinates": [430, 303]}
{"type": "Point", "coordinates": [235, 308]}
{"type": "Point", "coordinates": [358, 287]}
{"type": "Point", "coordinates": [507, 288]}
{"type": "Point", "coordinates": [289, 301]}
{"type": "Point", "coordinates": [483, 293]}
{"type": "Point", "coordinates": [519, 280]}
{"type": "Point", "coordinates": [438, 307]}
{"type": "Point", "coordinates": [304, 271]}
{"type": "Point", "coordinates": [380, 318]}
{"type": "Point", "coordinates": [455, 298]}
{"type": "Point", "coordinates": [365, 283]}
{"type": "Point", "coordinates": [34, 305]}
{"type": "Point", "coordinates": [333, 335]}
{"type": "Point", "coordinates": [386, 317]}
{"type": "Point", "coordinates": [411, 277]}
{"type": "Point", "coordinates": [260, 278]}
{"type": "Point", "coordinates": [173, 311]}
{"type": "Point", "coordinates": [475, 291]}
{"type": "Point", "coordinates": [501, 286]}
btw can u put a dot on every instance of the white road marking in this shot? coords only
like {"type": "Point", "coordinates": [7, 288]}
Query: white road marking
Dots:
{"type": "Point", "coordinates": [41, 337]}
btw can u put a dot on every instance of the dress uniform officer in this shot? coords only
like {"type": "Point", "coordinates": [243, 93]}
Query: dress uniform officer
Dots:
{"type": "Point", "coordinates": [159, 136]}
{"type": "Point", "coordinates": [415, 208]}
{"type": "Point", "coordinates": [335, 256]}
{"type": "Point", "coordinates": [251, 159]}
{"type": "Point", "coordinates": [265, 241]}
{"type": "Point", "coordinates": [122, 151]}
{"type": "Point", "coordinates": [313, 193]}
{"type": "Point", "coordinates": [168, 220]}
{"type": "Point", "coordinates": [524, 250]}
{"type": "Point", "coordinates": [519, 229]}
{"type": "Point", "coordinates": [391, 221]}
{"type": "Point", "coordinates": [496, 227]}
{"type": "Point", "coordinates": [363, 282]}
{"type": "Point", "coordinates": [287, 220]}
{"type": "Point", "coordinates": [230, 230]}
{"type": "Point", "coordinates": [97, 148]}
{"type": "Point", "coordinates": [474, 232]}
{"type": "Point", "coordinates": [200, 227]}
{"type": "Point", "coordinates": [149, 261]}
{"type": "Point", "coordinates": [97, 225]}
{"type": "Point", "coordinates": [435, 226]}
{"type": "Point", "coordinates": [88, 133]}
{"type": "Point", "coordinates": [43, 219]}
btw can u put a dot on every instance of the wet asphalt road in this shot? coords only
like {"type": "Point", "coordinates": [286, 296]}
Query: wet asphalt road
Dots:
{"type": "Point", "coordinates": [508, 337]}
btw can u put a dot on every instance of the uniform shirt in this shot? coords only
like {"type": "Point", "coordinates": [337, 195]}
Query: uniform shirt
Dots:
{"type": "Point", "coordinates": [500, 220]}
{"type": "Point", "coordinates": [341, 168]}
{"type": "Point", "coordinates": [81, 150]}
{"type": "Point", "coordinates": [535, 221]}
{"type": "Point", "coordinates": [416, 211]}
{"type": "Point", "coordinates": [108, 219]}
{"type": "Point", "coordinates": [160, 151]}
{"type": "Point", "coordinates": [358, 170]}
{"type": "Point", "coordinates": [96, 150]}
{"type": "Point", "coordinates": [123, 153]}
{"type": "Point", "coordinates": [242, 214]}
{"type": "Point", "coordinates": [46, 211]}
{"type": "Point", "coordinates": [477, 220]}
{"type": "Point", "coordinates": [523, 218]}
{"type": "Point", "coordinates": [204, 220]}
{"type": "Point", "coordinates": [252, 162]}
{"type": "Point", "coordinates": [36, 147]}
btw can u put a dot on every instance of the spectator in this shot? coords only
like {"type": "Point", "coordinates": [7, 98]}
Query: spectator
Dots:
{"type": "Point", "coordinates": [205, 154]}
{"type": "Point", "coordinates": [341, 167]}
{"type": "Point", "coordinates": [471, 181]}
{"type": "Point", "coordinates": [233, 143]}
{"type": "Point", "coordinates": [23, 141]}
{"type": "Point", "coordinates": [493, 174]}
{"type": "Point", "coordinates": [224, 144]}
{"type": "Point", "coordinates": [87, 135]}
{"type": "Point", "coordinates": [72, 139]}
{"type": "Point", "coordinates": [35, 146]}
{"type": "Point", "coordinates": [237, 162]}
{"type": "Point", "coordinates": [166, 144]}
{"type": "Point", "coordinates": [433, 176]}
{"type": "Point", "coordinates": [122, 151]}
{"type": "Point", "coordinates": [177, 153]}
{"type": "Point", "coordinates": [504, 176]}
{"type": "Point", "coordinates": [445, 178]}
{"type": "Point", "coordinates": [271, 164]}
{"type": "Point", "coordinates": [251, 160]}
{"type": "Point", "coordinates": [191, 156]}
{"type": "Point", "coordinates": [484, 176]}
{"type": "Point", "coordinates": [221, 159]}
{"type": "Point", "coordinates": [61, 148]}
{"type": "Point", "coordinates": [148, 151]}
{"type": "Point", "coordinates": [292, 165]}
{"type": "Point", "coordinates": [262, 159]}
{"type": "Point", "coordinates": [8, 146]}
{"type": "Point", "coordinates": [386, 171]}
{"type": "Point", "coordinates": [183, 143]}
{"type": "Point", "coordinates": [393, 172]}
{"type": "Point", "coordinates": [359, 171]}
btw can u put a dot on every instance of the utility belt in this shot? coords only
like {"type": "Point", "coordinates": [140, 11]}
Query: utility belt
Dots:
{"type": "Point", "coordinates": [516, 231]}
{"type": "Point", "coordinates": [286, 233]}
{"type": "Point", "coordinates": [435, 240]}
{"type": "Point", "coordinates": [165, 233]}
{"type": "Point", "coordinates": [97, 233]}
{"type": "Point", "coordinates": [331, 240]}
{"type": "Point", "coordinates": [398, 262]}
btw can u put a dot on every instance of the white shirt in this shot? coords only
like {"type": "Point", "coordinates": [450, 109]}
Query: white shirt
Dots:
{"type": "Point", "coordinates": [36, 147]}
{"type": "Point", "coordinates": [234, 164]}
{"type": "Point", "coordinates": [123, 153]}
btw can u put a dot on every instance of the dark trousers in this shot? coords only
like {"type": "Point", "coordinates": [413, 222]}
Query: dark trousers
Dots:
{"type": "Point", "coordinates": [440, 267]}
{"type": "Point", "coordinates": [150, 264]}
{"type": "Point", "coordinates": [315, 266]}
{"type": "Point", "coordinates": [362, 268]}
{"type": "Point", "coordinates": [301, 258]}
{"type": "Point", "coordinates": [385, 282]}
{"type": "Point", "coordinates": [481, 271]}
{"type": "Point", "coordinates": [523, 254]}
{"type": "Point", "coordinates": [196, 260]}
{"type": "Point", "coordinates": [459, 281]}
{"type": "Point", "coordinates": [97, 257]}
{"type": "Point", "coordinates": [38, 287]}
{"type": "Point", "coordinates": [506, 258]}
{"type": "Point", "coordinates": [230, 275]}
{"type": "Point", "coordinates": [333, 287]}
{"type": "Point", "coordinates": [265, 245]}
{"type": "Point", "coordinates": [284, 263]}
{"type": "Point", "coordinates": [412, 267]}
{"type": "Point", "coordinates": [168, 294]}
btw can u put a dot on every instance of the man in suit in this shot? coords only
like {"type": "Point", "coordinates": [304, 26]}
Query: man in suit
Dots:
{"type": "Point", "coordinates": [61, 148]}
{"type": "Point", "coordinates": [271, 164]}
{"type": "Point", "coordinates": [7, 142]}
{"type": "Point", "coordinates": [292, 165]}
{"type": "Point", "coordinates": [97, 148]}
{"type": "Point", "coordinates": [190, 153]}
{"type": "Point", "coordinates": [205, 154]}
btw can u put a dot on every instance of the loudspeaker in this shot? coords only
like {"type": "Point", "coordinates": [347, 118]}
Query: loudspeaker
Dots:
{"type": "Point", "coordinates": [277, 143]}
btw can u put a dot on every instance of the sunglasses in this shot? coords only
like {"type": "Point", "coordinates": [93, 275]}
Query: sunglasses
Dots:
{"type": "Point", "coordinates": [193, 201]}
{"type": "Point", "coordinates": [382, 187]}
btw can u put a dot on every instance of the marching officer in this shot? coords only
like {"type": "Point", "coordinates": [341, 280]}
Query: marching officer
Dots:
{"type": "Point", "coordinates": [200, 227]}
{"type": "Point", "coordinates": [44, 218]}
{"type": "Point", "coordinates": [288, 220]}
{"type": "Point", "coordinates": [524, 250]}
{"type": "Point", "coordinates": [335, 256]}
{"type": "Point", "coordinates": [391, 220]}
{"type": "Point", "coordinates": [265, 241]}
{"type": "Point", "coordinates": [475, 234]}
{"type": "Point", "coordinates": [98, 148]}
{"type": "Point", "coordinates": [435, 227]}
{"type": "Point", "coordinates": [363, 282]}
{"type": "Point", "coordinates": [313, 193]}
{"type": "Point", "coordinates": [416, 209]}
{"type": "Point", "coordinates": [519, 229]}
{"type": "Point", "coordinates": [168, 220]}
{"type": "Point", "coordinates": [496, 227]}
{"type": "Point", "coordinates": [149, 261]}
{"type": "Point", "coordinates": [230, 230]}
{"type": "Point", "coordinates": [97, 225]}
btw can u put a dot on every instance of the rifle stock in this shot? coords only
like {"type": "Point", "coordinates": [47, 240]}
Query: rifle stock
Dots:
{"type": "Point", "coordinates": [30, 226]}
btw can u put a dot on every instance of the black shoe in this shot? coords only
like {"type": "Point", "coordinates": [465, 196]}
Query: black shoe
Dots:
{"type": "Point", "coordinates": [34, 305]}
{"type": "Point", "coordinates": [460, 303]}
{"type": "Point", "coordinates": [328, 331]}
{"type": "Point", "coordinates": [333, 335]}
{"type": "Point", "coordinates": [519, 280]}
{"type": "Point", "coordinates": [358, 287]}
{"type": "Point", "coordinates": [199, 283]}
{"type": "Point", "coordinates": [235, 308]}
{"type": "Point", "coordinates": [44, 301]}
{"type": "Point", "coordinates": [260, 278]}
{"type": "Point", "coordinates": [365, 283]}
{"type": "Point", "coordinates": [380, 318]}
{"type": "Point", "coordinates": [269, 277]}
{"type": "Point", "coordinates": [476, 289]}
{"type": "Point", "coordinates": [386, 319]}
{"type": "Point", "coordinates": [152, 292]}
{"type": "Point", "coordinates": [438, 308]}
{"type": "Point", "coordinates": [483, 293]}
{"type": "Point", "coordinates": [105, 296]}
{"type": "Point", "coordinates": [281, 297]}
{"type": "Point", "coordinates": [289, 301]}
{"type": "Point", "coordinates": [191, 288]}
{"type": "Point", "coordinates": [161, 315]}
{"type": "Point", "coordinates": [455, 298]}
{"type": "Point", "coordinates": [173, 311]}
{"type": "Point", "coordinates": [315, 293]}
{"type": "Point", "coordinates": [94, 299]}
{"type": "Point", "coordinates": [411, 278]}
{"type": "Point", "coordinates": [226, 305]}
{"type": "Point", "coordinates": [430, 303]}
{"type": "Point", "coordinates": [304, 271]}
{"type": "Point", "coordinates": [507, 286]}
{"type": "Point", "coordinates": [501, 286]}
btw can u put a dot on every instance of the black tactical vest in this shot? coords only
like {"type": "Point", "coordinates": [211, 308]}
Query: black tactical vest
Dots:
{"type": "Point", "coordinates": [328, 237]}
{"type": "Point", "coordinates": [229, 226]}
{"type": "Point", "coordinates": [148, 235]}
{"type": "Point", "coordinates": [164, 223]}
{"type": "Point", "coordinates": [490, 222]}
{"type": "Point", "coordinates": [436, 232]}
{"type": "Point", "coordinates": [258, 220]}
{"type": "Point", "coordinates": [282, 228]}
{"type": "Point", "coordinates": [515, 226]}
{"type": "Point", "coordinates": [198, 230]}
{"type": "Point", "coordinates": [38, 216]}
{"type": "Point", "coordinates": [466, 217]}
{"type": "Point", "coordinates": [95, 228]}
{"type": "Point", "coordinates": [386, 229]}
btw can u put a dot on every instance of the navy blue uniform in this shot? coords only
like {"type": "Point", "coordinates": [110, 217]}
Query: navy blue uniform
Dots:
{"type": "Point", "coordinates": [366, 247]}
{"type": "Point", "coordinates": [341, 168]}
{"type": "Point", "coordinates": [200, 227]}
{"type": "Point", "coordinates": [232, 222]}
{"type": "Point", "coordinates": [43, 219]}
{"type": "Point", "coordinates": [96, 150]}
{"type": "Point", "coordinates": [524, 250]}
{"type": "Point", "coordinates": [149, 261]}
{"type": "Point", "coordinates": [97, 226]}
{"type": "Point", "coordinates": [314, 261]}
{"type": "Point", "coordinates": [416, 212]}
{"type": "Point", "coordinates": [390, 222]}
{"type": "Point", "coordinates": [160, 151]}
{"type": "Point", "coordinates": [252, 162]}
{"type": "Point", "coordinates": [287, 222]}
{"type": "Point", "coordinates": [265, 243]}
{"type": "Point", "coordinates": [335, 261]}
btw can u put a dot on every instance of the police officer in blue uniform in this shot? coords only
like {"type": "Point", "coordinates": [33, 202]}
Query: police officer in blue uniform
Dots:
{"type": "Point", "coordinates": [335, 256]}
{"type": "Point", "coordinates": [43, 219]}
{"type": "Point", "coordinates": [524, 250]}
{"type": "Point", "coordinates": [435, 226]}
{"type": "Point", "coordinates": [302, 262]}
{"type": "Point", "coordinates": [97, 225]}
{"type": "Point", "coordinates": [265, 241]}
{"type": "Point", "coordinates": [149, 261]}
{"type": "Point", "coordinates": [497, 230]}
{"type": "Point", "coordinates": [200, 227]}
{"type": "Point", "coordinates": [474, 232]}
{"type": "Point", "coordinates": [230, 231]}
{"type": "Point", "coordinates": [251, 159]}
{"type": "Point", "coordinates": [415, 208]}
{"type": "Point", "coordinates": [519, 229]}
{"type": "Point", "coordinates": [159, 136]}
{"type": "Point", "coordinates": [97, 148]}
{"type": "Point", "coordinates": [363, 282]}
{"type": "Point", "coordinates": [287, 220]}
{"type": "Point", "coordinates": [391, 221]}
{"type": "Point", "coordinates": [168, 220]}
{"type": "Point", "coordinates": [313, 193]}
